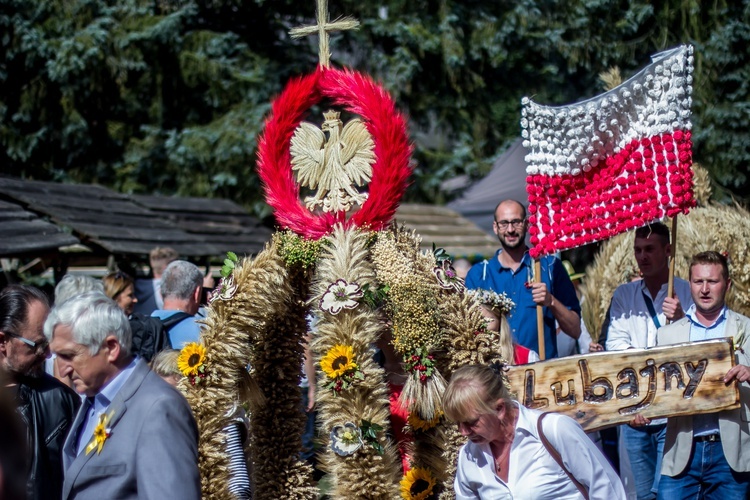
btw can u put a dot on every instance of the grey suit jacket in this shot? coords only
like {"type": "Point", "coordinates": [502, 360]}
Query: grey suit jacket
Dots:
{"type": "Point", "coordinates": [733, 424]}
{"type": "Point", "coordinates": [152, 451]}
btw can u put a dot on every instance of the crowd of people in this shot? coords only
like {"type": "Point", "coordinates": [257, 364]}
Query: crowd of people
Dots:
{"type": "Point", "coordinates": [90, 379]}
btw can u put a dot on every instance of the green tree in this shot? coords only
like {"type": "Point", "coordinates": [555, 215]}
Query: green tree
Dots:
{"type": "Point", "coordinates": [169, 96]}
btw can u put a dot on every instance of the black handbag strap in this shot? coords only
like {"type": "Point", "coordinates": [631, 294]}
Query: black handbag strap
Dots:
{"type": "Point", "coordinates": [556, 456]}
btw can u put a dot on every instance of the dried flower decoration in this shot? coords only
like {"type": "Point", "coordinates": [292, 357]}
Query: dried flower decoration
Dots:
{"type": "Point", "coordinates": [417, 484]}
{"type": "Point", "coordinates": [417, 423]}
{"type": "Point", "coordinates": [421, 364]}
{"type": "Point", "coordinates": [297, 250]}
{"type": "Point", "coordinates": [447, 277]}
{"type": "Point", "coordinates": [226, 289]}
{"type": "Point", "coordinates": [341, 295]}
{"type": "Point", "coordinates": [496, 301]}
{"type": "Point", "coordinates": [191, 362]}
{"type": "Point", "coordinates": [339, 366]}
{"type": "Point", "coordinates": [346, 439]}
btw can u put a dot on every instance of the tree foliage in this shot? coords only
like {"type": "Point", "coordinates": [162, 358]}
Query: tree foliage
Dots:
{"type": "Point", "coordinates": [169, 96]}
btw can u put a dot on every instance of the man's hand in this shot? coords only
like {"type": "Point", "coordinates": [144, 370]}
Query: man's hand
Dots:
{"type": "Point", "coordinates": [540, 294]}
{"type": "Point", "coordinates": [741, 373]}
{"type": "Point", "coordinates": [595, 347]}
{"type": "Point", "coordinates": [639, 421]}
{"type": "Point", "coordinates": [672, 308]}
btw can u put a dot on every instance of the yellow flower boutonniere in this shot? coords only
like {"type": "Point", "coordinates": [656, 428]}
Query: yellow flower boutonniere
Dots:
{"type": "Point", "coordinates": [101, 434]}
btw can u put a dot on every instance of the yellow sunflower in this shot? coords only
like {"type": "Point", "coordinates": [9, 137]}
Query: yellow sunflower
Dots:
{"type": "Point", "coordinates": [338, 361]}
{"type": "Point", "coordinates": [417, 484]}
{"type": "Point", "coordinates": [419, 424]}
{"type": "Point", "coordinates": [191, 359]}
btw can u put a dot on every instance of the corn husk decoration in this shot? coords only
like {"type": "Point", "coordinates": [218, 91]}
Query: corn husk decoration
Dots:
{"type": "Point", "coordinates": [412, 305]}
{"type": "Point", "coordinates": [278, 324]}
{"type": "Point", "coordinates": [352, 396]}
{"type": "Point", "coordinates": [257, 305]}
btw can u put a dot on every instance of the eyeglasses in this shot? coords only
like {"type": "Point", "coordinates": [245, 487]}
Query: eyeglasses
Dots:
{"type": "Point", "coordinates": [39, 347]}
{"type": "Point", "coordinates": [516, 223]}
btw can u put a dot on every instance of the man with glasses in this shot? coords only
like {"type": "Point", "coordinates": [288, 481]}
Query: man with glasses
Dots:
{"type": "Point", "coordinates": [46, 406]}
{"type": "Point", "coordinates": [511, 272]}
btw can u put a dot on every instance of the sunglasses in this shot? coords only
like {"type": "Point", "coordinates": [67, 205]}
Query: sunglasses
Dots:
{"type": "Point", "coordinates": [39, 347]}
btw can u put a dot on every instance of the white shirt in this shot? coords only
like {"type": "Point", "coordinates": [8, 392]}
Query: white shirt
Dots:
{"type": "Point", "coordinates": [631, 324]}
{"type": "Point", "coordinates": [533, 474]}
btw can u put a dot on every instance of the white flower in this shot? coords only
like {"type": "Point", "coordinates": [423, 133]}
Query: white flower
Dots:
{"type": "Point", "coordinates": [226, 289]}
{"type": "Point", "coordinates": [346, 439]}
{"type": "Point", "coordinates": [341, 295]}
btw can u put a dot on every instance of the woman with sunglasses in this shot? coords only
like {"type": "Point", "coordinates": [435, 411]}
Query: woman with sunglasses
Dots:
{"type": "Point", "coordinates": [121, 288]}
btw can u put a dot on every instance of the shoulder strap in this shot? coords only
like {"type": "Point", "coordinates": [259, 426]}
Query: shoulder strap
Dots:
{"type": "Point", "coordinates": [174, 319]}
{"type": "Point", "coordinates": [651, 310]}
{"type": "Point", "coordinates": [556, 456]}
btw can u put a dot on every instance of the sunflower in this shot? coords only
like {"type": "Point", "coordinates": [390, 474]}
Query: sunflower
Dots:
{"type": "Point", "coordinates": [417, 484]}
{"type": "Point", "coordinates": [191, 359]}
{"type": "Point", "coordinates": [338, 361]}
{"type": "Point", "coordinates": [419, 424]}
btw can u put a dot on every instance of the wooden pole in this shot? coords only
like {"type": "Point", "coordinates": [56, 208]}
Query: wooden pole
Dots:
{"type": "Point", "coordinates": [672, 258]}
{"type": "Point", "coordinates": [539, 311]}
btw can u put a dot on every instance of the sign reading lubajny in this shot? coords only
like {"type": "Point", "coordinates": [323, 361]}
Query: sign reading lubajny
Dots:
{"type": "Point", "coordinates": [608, 388]}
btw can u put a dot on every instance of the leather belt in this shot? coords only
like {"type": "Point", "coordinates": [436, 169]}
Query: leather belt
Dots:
{"type": "Point", "coordinates": [710, 438]}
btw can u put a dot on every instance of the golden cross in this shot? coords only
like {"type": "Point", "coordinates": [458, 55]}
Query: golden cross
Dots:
{"type": "Point", "coordinates": [322, 28]}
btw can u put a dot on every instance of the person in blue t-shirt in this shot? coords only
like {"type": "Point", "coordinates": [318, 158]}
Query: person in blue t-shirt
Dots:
{"type": "Point", "coordinates": [181, 287]}
{"type": "Point", "coordinates": [512, 272]}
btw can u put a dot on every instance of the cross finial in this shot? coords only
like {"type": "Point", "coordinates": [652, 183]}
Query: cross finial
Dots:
{"type": "Point", "coordinates": [322, 29]}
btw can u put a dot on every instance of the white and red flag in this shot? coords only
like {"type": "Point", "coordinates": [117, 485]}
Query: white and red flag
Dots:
{"type": "Point", "coordinates": [612, 163]}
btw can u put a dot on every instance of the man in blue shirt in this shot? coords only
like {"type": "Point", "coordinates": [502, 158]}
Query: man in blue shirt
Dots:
{"type": "Point", "coordinates": [181, 287]}
{"type": "Point", "coordinates": [512, 272]}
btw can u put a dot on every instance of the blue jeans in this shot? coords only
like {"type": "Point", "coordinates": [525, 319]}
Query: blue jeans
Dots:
{"type": "Point", "coordinates": [645, 447]}
{"type": "Point", "coordinates": [308, 434]}
{"type": "Point", "coordinates": [707, 476]}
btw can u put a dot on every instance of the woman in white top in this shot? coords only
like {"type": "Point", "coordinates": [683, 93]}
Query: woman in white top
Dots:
{"type": "Point", "coordinates": [505, 457]}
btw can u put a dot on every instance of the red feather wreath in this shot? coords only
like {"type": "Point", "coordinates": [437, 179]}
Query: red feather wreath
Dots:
{"type": "Point", "coordinates": [390, 172]}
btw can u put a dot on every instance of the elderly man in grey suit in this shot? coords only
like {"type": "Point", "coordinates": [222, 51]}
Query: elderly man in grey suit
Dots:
{"type": "Point", "coordinates": [135, 435]}
{"type": "Point", "coordinates": [709, 455]}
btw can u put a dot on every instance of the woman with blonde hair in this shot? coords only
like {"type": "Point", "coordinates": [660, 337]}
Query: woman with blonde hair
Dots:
{"type": "Point", "coordinates": [495, 307]}
{"type": "Point", "coordinates": [519, 453]}
{"type": "Point", "coordinates": [120, 287]}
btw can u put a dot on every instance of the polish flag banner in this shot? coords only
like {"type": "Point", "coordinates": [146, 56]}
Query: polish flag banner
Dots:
{"type": "Point", "coordinates": [615, 162]}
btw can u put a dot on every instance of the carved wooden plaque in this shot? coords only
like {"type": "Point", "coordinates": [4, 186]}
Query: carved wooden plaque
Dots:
{"type": "Point", "coordinates": [607, 388]}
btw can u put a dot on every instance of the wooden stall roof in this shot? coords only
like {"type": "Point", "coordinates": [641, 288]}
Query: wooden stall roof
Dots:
{"type": "Point", "coordinates": [220, 221]}
{"type": "Point", "coordinates": [103, 219]}
{"type": "Point", "coordinates": [23, 232]}
{"type": "Point", "coordinates": [446, 228]}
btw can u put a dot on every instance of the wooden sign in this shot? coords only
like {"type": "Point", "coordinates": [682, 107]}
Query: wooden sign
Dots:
{"type": "Point", "coordinates": [608, 388]}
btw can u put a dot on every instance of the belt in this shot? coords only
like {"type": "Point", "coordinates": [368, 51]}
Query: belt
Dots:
{"type": "Point", "coordinates": [710, 438]}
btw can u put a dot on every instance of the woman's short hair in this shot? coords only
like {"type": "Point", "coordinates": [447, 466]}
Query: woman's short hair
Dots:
{"type": "Point", "coordinates": [164, 363]}
{"type": "Point", "coordinates": [116, 283]}
{"type": "Point", "coordinates": [92, 317]}
{"type": "Point", "coordinates": [473, 390]}
{"type": "Point", "coordinates": [75, 284]}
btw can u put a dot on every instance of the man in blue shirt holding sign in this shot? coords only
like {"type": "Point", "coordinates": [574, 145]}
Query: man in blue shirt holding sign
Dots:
{"type": "Point", "coordinates": [511, 271]}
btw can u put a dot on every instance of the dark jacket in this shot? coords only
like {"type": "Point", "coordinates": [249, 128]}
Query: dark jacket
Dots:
{"type": "Point", "coordinates": [48, 409]}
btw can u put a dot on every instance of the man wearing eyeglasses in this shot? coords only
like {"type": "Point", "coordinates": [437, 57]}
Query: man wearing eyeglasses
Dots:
{"type": "Point", "coordinates": [46, 406]}
{"type": "Point", "coordinates": [511, 272]}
